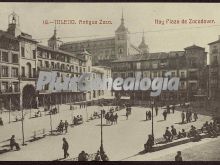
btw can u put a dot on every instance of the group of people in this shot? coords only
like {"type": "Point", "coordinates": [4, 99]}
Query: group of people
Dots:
{"type": "Point", "coordinates": [63, 126]}
{"type": "Point", "coordinates": [148, 115]}
{"type": "Point", "coordinates": [83, 156]}
{"type": "Point", "coordinates": [211, 128]}
{"type": "Point", "coordinates": [111, 118]}
{"type": "Point", "coordinates": [189, 116]}
{"type": "Point", "coordinates": [1, 122]}
{"type": "Point", "coordinates": [77, 119]}
{"type": "Point", "coordinates": [194, 133]}
{"type": "Point", "coordinates": [168, 135]}
{"type": "Point", "coordinates": [170, 108]}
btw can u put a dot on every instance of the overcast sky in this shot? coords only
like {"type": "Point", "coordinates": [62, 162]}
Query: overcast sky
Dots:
{"type": "Point", "coordinates": [138, 17]}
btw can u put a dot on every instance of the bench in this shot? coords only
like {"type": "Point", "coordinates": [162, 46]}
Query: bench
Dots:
{"type": "Point", "coordinates": [162, 140]}
{"type": "Point", "coordinates": [38, 134]}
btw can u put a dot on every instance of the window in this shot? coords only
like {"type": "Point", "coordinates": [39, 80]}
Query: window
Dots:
{"type": "Point", "coordinates": [22, 52]}
{"type": "Point", "coordinates": [5, 56]}
{"type": "Point", "coordinates": [47, 64]}
{"type": "Point", "coordinates": [182, 84]}
{"type": "Point", "coordinates": [4, 71]}
{"type": "Point", "coordinates": [16, 87]}
{"type": "Point", "coordinates": [182, 74]}
{"type": "Point", "coordinates": [138, 65]}
{"type": "Point", "coordinates": [120, 50]}
{"type": "Point", "coordinates": [34, 54]}
{"type": "Point", "coordinates": [4, 86]}
{"type": "Point", "coordinates": [14, 72]}
{"type": "Point", "coordinates": [23, 71]}
{"type": "Point", "coordinates": [14, 58]}
{"type": "Point", "coordinates": [52, 64]}
{"type": "Point", "coordinates": [172, 74]}
{"type": "Point", "coordinates": [39, 63]}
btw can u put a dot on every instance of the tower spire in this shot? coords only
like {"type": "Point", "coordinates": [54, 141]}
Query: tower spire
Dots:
{"type": "Point", "coordinates": [55, 30]}
{"type": "Point", "coordinates": [143, 38]}
{"type": "Point", "coordinates": [122, 17]}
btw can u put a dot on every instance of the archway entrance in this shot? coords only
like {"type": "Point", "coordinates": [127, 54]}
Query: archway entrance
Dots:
{"type": "Point", "coordinates": [29, 96]}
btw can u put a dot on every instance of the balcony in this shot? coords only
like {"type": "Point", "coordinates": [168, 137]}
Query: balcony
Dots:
{"type": "Point", "coordinates": [28, 78]}
{"type": "Point", "coordinates": [193, 77]}
{"type": "Point", "coordinates": [10, 91]}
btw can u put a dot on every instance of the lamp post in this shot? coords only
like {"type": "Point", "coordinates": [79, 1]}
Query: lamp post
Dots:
{"type": "Point", "coordinates": [152, 112]}
{"type": "Point", "coordinates": [22, 112]}
{"type": "Point", "coordinates": [51, 129]}
{"type": "Point", "coordinates": [87, 120]}
{"type": "Point", "coordinates": [101, 147]}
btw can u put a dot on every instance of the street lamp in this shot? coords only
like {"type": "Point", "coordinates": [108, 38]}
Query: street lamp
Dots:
{"type": "Point", "coordinates": [22, 112]}
{"type": "Point", "coordinates": [101, 147]}
{"type": "Point", "coordinates": [87, 120]}
{"type": "Point", "coordinates": [152, 112]}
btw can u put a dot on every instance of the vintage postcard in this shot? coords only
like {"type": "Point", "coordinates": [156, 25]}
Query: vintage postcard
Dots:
{"type": "Point", "coordinates": [109, 81]}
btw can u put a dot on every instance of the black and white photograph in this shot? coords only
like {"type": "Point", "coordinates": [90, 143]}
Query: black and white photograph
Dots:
{"type": "Point", "coordinates": [109, 81]}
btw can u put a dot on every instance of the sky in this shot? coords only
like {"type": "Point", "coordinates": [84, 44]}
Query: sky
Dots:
{"type": "Point", "coordinates": [138, 17]}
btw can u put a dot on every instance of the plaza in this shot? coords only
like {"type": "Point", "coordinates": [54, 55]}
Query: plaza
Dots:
{"type": "Point", "coordinates": [121, 141]}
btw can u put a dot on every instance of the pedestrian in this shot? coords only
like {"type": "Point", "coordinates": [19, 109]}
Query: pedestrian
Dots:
{"type": "Point", "coordinates": [116, 118]}
{"type": "Point", "coordinates": [150, 142]}
{"type": "Point", "coordinates": [173, 108]}
{"type": "Point", "coordinates": [126, 115]}
{"type": "Point", "coordinates": [183, 117]}
{"type": "Point", "coordinates": [173, 131]}
{"type": "Point", "coordinates": [104, 157]}
{"type": "Point", "coordinates": [83, 156]}
{"type": "Point", "coordinates": [146, 115]}
{"type": "Point", "coordinates": [13, 143]}
{"type": "Point", "coordinates": [1, 122]}
{"type": "Point", "coordinates": [156, 109]}
{"type": "Point", "coordinates": [149, 115]}
{"type": "Point", "coordinates": [190, 116]}
{"type": "Point", "coordinates": [195, 116]}
{"type": "Point", "coordinates": [187, 116]}
{"type": "Point", "coordinates": [61, 125]}
{"type": "Point", "coordinates": [66, 124]}
{"type": "Point", "coordinates": [168, 109]}
{"type": "Point", "coordinates": [168, 135]}
{"type": "Point", "coordinates": [165, 114]}
{"type": "Point", "coordinates": [178, 157]}
{"type": "Point", "coordinates": [98, 157]}
{"type": "Point", "coordinates": [65, 148]}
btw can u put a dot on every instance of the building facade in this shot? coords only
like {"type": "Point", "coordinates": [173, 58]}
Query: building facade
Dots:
{"type": "Point", "coordinates": [214, 70]}
{"type": "Point", "coordinates": [108, 49]}
{"type": "Point", "coordinates": [189, 65]}
{"type": "Point", "coordinates": [21, 60]}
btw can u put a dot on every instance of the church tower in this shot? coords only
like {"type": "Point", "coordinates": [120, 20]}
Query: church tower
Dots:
{"type": "Point", "coordinates": [122, 40]}
{"type": "Point", "coordinates": [54, 41]}
{"type": "Point", "coordinates": [13, 25]}
{"type": "Point", "coordinates": [143, 46]}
